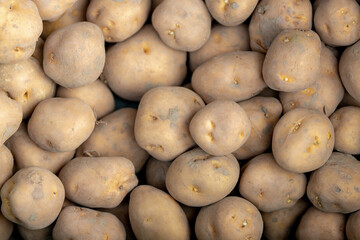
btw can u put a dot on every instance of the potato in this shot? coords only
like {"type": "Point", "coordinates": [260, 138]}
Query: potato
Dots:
{"type": "Point", "coordinates": [52, 10]}
{"type": "Point", "coordinates": [40, 234]}
{"type": "Point", "coordinates": [156, 65]}
{"type": "Point", "coordinates": [197, 178]}
{"type": "Point", "coordinates": [79, 223]}
{"type": "Point", "coordinates": [230, 218]}
{"type": "Point", "coordinates": [20, 28]}
{"type": "Point", "coordinates": [155, 215]}
{"type": "Point", "coordinates": [231, 13]}
{"type": "Point", "coordinates": [155, 3]}
{"type": "Point", "coordinates": [232, 76]}
{"type": "Point", "coordinates": [264, 113]}
{"type": "Point", "coordinates": [338, 22]}
{"type": "Point", "coordinates": [303, 140]}
{"type": "Point", "coordinates": [113, 136]}
{"type": "Point", "coordinates": [6, 228]}
{"type": "Point", "coordinates": [335, 186]}
{"type": "Point", "coordinates": [6, 163]}
{"type": "Point", "coordinates": [352, 226]}
{"type": "Point", "coordinates": [318, 225]}
{"type": "Point", "coordinates": [348, 100]}
{"type": "Point", "coordinates": [155, 173]}
{"type": "Point", "coordinates": [74, 56]}
{"type": "Point", "coordinates": [118, 20]}
{"type": "Point", "coordinates": [272, 16]}
{"type": "Point", "coordinates": [26, 83]}
{"type": "Point", "coordinates": [283, 71]}
{"type": "Point", "coordinates": [162, 119]}
{"type": "Point", "coordinates": [268, 92]}
{"type": "Point", "coordinates": [220, 127]}
{"type": "Point", "coordinates": [97, 95]}
{"type": "Point", "coordinates": [61, 124]}
{"type": "Point", "coordinates": [32, 197]}
{"type": "Point", "coordinates": [38, 53]}
{"type": "Point", "coordinates": [183, 25]}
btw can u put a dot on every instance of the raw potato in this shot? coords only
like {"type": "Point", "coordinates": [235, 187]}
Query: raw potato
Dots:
{"type": "Point", "coordinates": [79, 223]}
{"type": "Point", "coordinates": [6, 228]}
{"type": "Point", "coordinates": [268, 186]}
{"type": "Point", "coordinates": [162, 120]}
{"type": "Point", "coordinates": [335, 187]}
{"type": "Point", "coordinates": [303, 140]}
{"type": "Point", "coordinates": [156, 215]}
{"type": "Point", "coordinates": [40, 234]}
{"type": "Point", "coordinates": [20, 28]}
{"type": "Point", "coordinates": [156, 65]}
{"type": "Point", "coordinates": [220, 127]}
{"type": "Point", "coordinates": [272, 16]}
{"type": "Point", "coordinates": [118, 20]}
{"type": "Point", "coordinates": [6, 163]}
{"type": "Point", "coordinates": [156, 173]}
{"type": "Point", "coordinates": [32, 197]}
{"type": "Point", "coordinates": [113, 136]}
{"type": "Point", "coordinates": [287, 66]}
{"type": "Point", "coordinates": [232, 76]}
{"type": "Point", "coordinates": [348, 100]}
{"type": "Point", "coordinates": [74, 56]}
{"type": "Point", "coordinates": [230, 218]}
{"type": "Point", "coordinates": [352, 226]}
{"type": "Point", "coordinates": [198, 179]}
{"type": "Point", "coordinates": [38, 53]}
{"type": "Point", "coordinates": [264, 113]}
{"type": "Point", "coordinates": [183, 25]}
{"type": "Point", "coordinates": [52, 10]}
{"type": "Point", "coordinates": [61, 124]}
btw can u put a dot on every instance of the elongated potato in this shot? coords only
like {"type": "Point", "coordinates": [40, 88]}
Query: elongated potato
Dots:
{"type": "Point", "coordinates": [6, 228]}
{"type": "Point", "coordinates": [156, 173]}
{"type": "Point", "coordinates": [352, 226]}
{"type": "Point", "coordinates": [6, 163]}
{"type": "Point", "coordinates": [52, 10]}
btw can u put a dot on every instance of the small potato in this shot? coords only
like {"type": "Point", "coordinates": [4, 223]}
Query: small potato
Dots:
{"type": "Point", "coordinates": [232, 76]}
{"type": "Point", "coordinates": [79, 223]}
{"type": "Point", "coordinates": [6, 163]}
{"type": "Point", "coordinates": [155, 173]}
{"type": "Point", "coordinates": [32, 197]}
{"type": "Point", "coordinates": [40, 234]}
{"type": "Point", "coordinates": [303, 140]}
{"type": "Point", "coordinates": [198, 179]}
{"type": "Point", "coordinates": [74, 56]}
{"type": "Point", "coordinates": [352, 226]}
{"type": "Point", "coordinates": [156, 65]}
{"type": "Point", "coordinates": [183, 25]}
{"type": "Point", "coordinates": [38, 53]}
{"type": "Point", "coordinates": [52, 10]}
{"type": "Point", "coordinates": [231, 218]}
{"type": "Point", "coordinates": [335, 187]}
{"type": "Point", "coordinates": [61, 124]}
{"type": "Point", "coordinates": [118, 20]}
{"type": "Point", "coordinates": [220, 127]}
{"type": "Point", "coordinates": [6, 228]}
{"type": "Point", "coordinates": [264, 113]}
{"type": "Point", "coordinates": [318, 225]}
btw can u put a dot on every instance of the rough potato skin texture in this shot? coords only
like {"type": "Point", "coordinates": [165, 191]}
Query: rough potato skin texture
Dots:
{"type": "Point", "coordinates": [6, 228]}
{"type": "Point", "coordinates": [156, 215]}
{"type": "Point", "coordinates": [303, 140]}
{"type": "Point", "coordinates": [352, 226]}
{"type": "Point", "coordinates": [40, 234]}
{"type": "Point", "coordinates": [156, 65]}
{"type": "Point", "coordinates": [155, 173]}
{"type": "Point", "coordinates": [80, 223]}
{"type": "Point", "coordinates": [230, 218]}
{"type": "Point", "coordinates": [6, 163]}
{"type": "Point", "coordinates": [52, 10]}
{"type": "Point", "coordinates": [74, 56]}
{"type": "Point", "coordinates": [335, 187]}
{"type": "Point", "coordinates": [32, 197]}
{"type": "Point", "coordinates": [183, 25]}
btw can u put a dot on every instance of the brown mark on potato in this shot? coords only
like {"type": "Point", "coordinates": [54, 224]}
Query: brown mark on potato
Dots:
{"type": "Point", "coordinates": [316, 141]}
{"type": "Point", "coordinates": [318, 201]}
{"type": "Point", "coordinates": [210, 136]}
{"type": "Point", "coordinates": [337, 189]}
{"type": "Point", "coordinates": [153, 147]}
{"type": "Point", "coordinates": [146, 50]}
{"type": "Point", "coordinates": [296, 126]}
{"type": "Point", "coordinates": [244, 223]}
{"type": "Point", "coordinates": [266, 112]}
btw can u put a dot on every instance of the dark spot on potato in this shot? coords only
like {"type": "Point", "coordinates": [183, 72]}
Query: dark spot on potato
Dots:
{"type": "Point", "coordinates": [210, 136]}
{"type": "Point", "coordinates": [274, 219]}
{"type": "Point", "coordinates": [146, 50]}
{"type": "Point", "coordinates": [337, 189]}
{"type": "Point", "coordinates": [265, 111]}
{"type": "Point", "coordinates": [18, 49]}
{"type": "Point", "coordinates": [49, 143]}
{"type": "Point", "coordinates": [234, 5]}
{"type": "Point", "coordinates": [356, 189]}
{"type": "Point", "coordinates": [155, 148]}
{"type": "Point", "coordinates": [318, 201]}
{"type": "Point", "coordinates": [244, 223]}
{"type": "Point", "coordinates": [26, 95]}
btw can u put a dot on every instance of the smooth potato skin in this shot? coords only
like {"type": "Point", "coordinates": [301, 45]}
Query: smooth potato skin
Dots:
{"type": "Point", "coordinates": [6, 163]}
{"type": "Point", "coordinates": [6, 228]}
{"type": "Point", "coordinates": [155, 173]}
{"type": "Point", "coordinates": [352, 226]}
{"type": "Point", "coordinates": [52, 10]}
{"type": "Point", "coordinates": [40, 234]}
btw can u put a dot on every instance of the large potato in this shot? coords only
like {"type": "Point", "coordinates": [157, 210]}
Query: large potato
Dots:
{"type": "Point", "coordinates": [52, 10]}
{"type": "Point", "coordinates": [6, 228]}
{"type": "Point", "coordinates": [352, 226]}
{"type": "Point", "coordinates": [7, 164]}
{"type": "Point", "coordinates": [39, 234]}
{"type": "Point", "coordinates": [155, 173]}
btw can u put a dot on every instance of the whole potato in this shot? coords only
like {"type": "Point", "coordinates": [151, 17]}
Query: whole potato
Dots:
{"type": "Point", "coordinates": [6, 228]}
{"type": "Point", "coordinates": [7, 164]}
{"type": "Point", "coordinates": [39, 234]}
{"type": "Point", "coordinates": [352, 226]}
{"type": "Point", "coordinates": [155, 173]}
{"type": "Point", "coordinates": [155, 215]}
{"type": "Point", "coordinates": [52, 10]}
{"type": "Point", "coordinates": [38, 53]}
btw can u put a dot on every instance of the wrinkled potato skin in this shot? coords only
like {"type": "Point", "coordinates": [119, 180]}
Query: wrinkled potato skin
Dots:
{"type": "Point", "coordinates": [155, 215]}
{"type": "Point", "coordinates": [352, 226]}
{"type": "Point", "coordinates": [6, 228]}
{"type": "Point", "coordinates": [10, 115]}
{"type": "Point", "coordinates": [38, 53]}
{"type": "Point", "coordinates": [232, 76]}
{"type": "Point", "coordinates": [156, 173]}
{"type": "Point", "coordinates": [6, 163]}
{"type": "Point", "coordinates": [52, 10]}
{"type": "Point", "coordinates": [40, 234]}
{"type": "Point", "coordinates": [223, 219]}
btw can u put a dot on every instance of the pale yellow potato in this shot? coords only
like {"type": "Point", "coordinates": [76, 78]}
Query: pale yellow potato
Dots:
{"type": "Point", "coordinates": [52, 10]}
{"type": "Point", "coordinates": [155, 173]}
{"type": "Point", "coordinates": [40, 234]}
{"type": "Point", "coordinates": [352, 226]}
{"type": "Point", "coordinates": [7, 164]}
{"type": "Point", "coordinates": [6, 228]}
{"type": "Point", "coordinates": [38, 53]}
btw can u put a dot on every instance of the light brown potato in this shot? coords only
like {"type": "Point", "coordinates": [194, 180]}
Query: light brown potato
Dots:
{"type": "Point", "coordinates": [113, 136]}
{"type": "Point", "coordinates": [220, 127]}
{"type": "Point", "coordinates": [183, 25]}
{"type": "Point", "coordinates": [155, 215]}
{"type": "Point", "coordinates": [52, 10]}
{"type": "Point", "coordinates": [162, 120]}
{"type": "Point", "coordinates": [197, 179]}
{"type": "Point", "coordinates": [6, 228]}
{"type": "Point", "coordinates": [118, 20]}
{"type": "Point", "coordinates": [156, 65]}
{"type": "Point", "coordinates": [268, 92]}
{"type": "Point", "coordinates": [155, 173]}
{"type": "Point", "coordinates": [232, 76]}
{"type": "Point", "coordinates": [318, 225]}
{"type": "Point", "coordinates": [348, 100]}
{"type": "Point", "coordinates": [74, 56]}
{"type": "Point", "coordinates": [272, 16]}
{"type": "Point", "coordinates": [97, 95]}
{"type": "Point", "coordinates": [335, 187]}
{"type": "Point", "coordinates": [264, 113]}
{"type": "Point", "coordinates": [303, 140]}
{"type": "Point", "coordinates": [6, 163]}
{"type": "Point", "coordinates": [352, 226]}
{"type": "Point", "coordinates": [79, 223]}
{"type": "Point", "coordinates": [40, 234]}
{"type": "Point", "coordinates": [61, 124]}
{"type": "Point", "coordinates": [32, 197]}
{"type": "Point", "coordinates": [155, 3]}
{"type": "Point", "coordinates": [230, 218]}
{"type": "Point", "coordinates": [38, 53]}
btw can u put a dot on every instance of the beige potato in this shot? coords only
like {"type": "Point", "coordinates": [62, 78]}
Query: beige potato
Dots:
{"type": "Point", "coordinates": [6, 163]}
{"type": "Point", "coordinates": [348, 100]}
{"type": "Point", "coordinates": [155, 173]}
{"type": "Point", "coordinates": [268, 92]}
{"type": "Point", "coordinates": [155, 215]}
{"type": "Point", "coordinates": [38, 53]}
{"type": "Point", "coordinates": [6, 228]}
{"type": "Point", "coordinates": [156, 65]}
{"type": "Point", "coordinates": [52, 10]}
{"type": "Point", "coordinates": [74, 56]}
{"type": "Point", "coordinates": [155, 3]}
{"type": "Point", "coordinates": [40, 234]}
{"type": "Point", "coordinates": [352, 226]}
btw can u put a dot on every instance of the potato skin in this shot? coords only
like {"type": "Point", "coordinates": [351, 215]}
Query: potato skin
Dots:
{"type": "Point", "coordinates": [51, 11]}
{"type": "Point", "coordinates": [155, 173]}
{"type": "Point", "coordinates": [38, 53]}
{"type": "Point", "coordinates": [6, 163]}
{"type": "Point", "coordinates": [155, 215]}
{"type": "Point", "coordinates": [40, 234]}
{"type": "Point", "coordinates": [352, 226]}
{"type": "Point", "coordinates": [6, 228]}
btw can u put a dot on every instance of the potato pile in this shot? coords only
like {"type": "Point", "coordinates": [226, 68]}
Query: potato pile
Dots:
{"type": "Point", "coordinates": [179, 119]}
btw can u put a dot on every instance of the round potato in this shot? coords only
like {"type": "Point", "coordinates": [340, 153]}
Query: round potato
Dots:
{"type": "Point", "coordinates": [352, 226]}
{"type": "Point", "coordinates": [52, 10]}
{"type": "Point", "coordinates": [6, 163]}
{"type": "Point", "coordinates": [155, 173]}
{"type": "Point", "coordinates": [155, 215]}
{"type": "Point", "coordinates": [40, 234]}
{"type": "Point", "coordinates": [6, 228]}
{"type": "Point", "coordinates": [38, 53]}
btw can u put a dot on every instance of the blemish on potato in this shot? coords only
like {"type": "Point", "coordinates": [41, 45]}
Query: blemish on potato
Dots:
{"type": "Point", "coordinates": [308, 91]}
{"type": "Point", "coordinates": [235, 82]}
{"type": "Point", "coordinates": [18, 50]}
{"type": "Point", "coordinates": [37, 193]}
{"type": "Point", "coordinates": [286, 39]}
{"type": "Point", "coordinates": [195, 189]}
{"type": "Point", "coordinates": [171, 33]}
{"type": "Point", "coordinates": [155, 147]}
{"type": "Point", "coordinates": [286, 78]}
{"type": "Point", "coordinates": [233, 218]}
{"type": "Point", "coordinates": [105, 30]}
{"type": "Point", "coordinates": [244, 223]}
{"type": "Point", "coordinates": [32, 217]}
{"type": "Point", "coordinates": [318, 201]}
{"type": "Point", "coordinates": [146, 50]}
{"type": "Point", "coordinates": [106, 236]}
{"type": "Point", "coordinates": [266, 112]}
{"type": "Point", "coordinates": [316, 141]}
{"type": "Point", "coordinates": [210, 136]}
{"type": "Point", "coordinates": [337, 189]}
{"type": "Point", "coordinates": [154, 118]}
{"type": "Point", "coordinates": [52, 56]}
{"type": "Point", "coordinates": [234, 5]}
